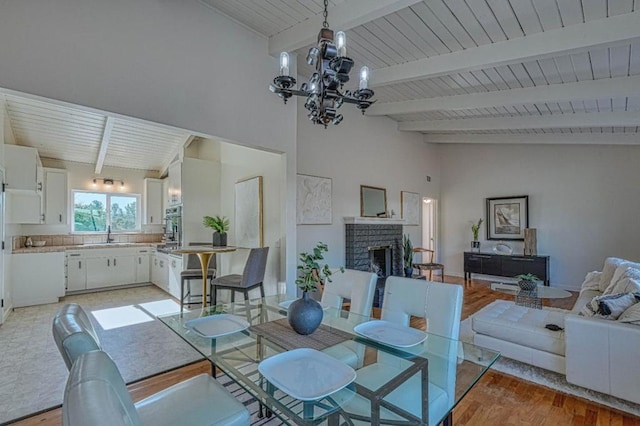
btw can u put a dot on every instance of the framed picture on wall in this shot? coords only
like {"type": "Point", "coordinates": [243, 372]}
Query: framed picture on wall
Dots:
{"type": "Point", "coordinates": [507, 217]}
{"type": "Point", "coordinates": [410, 207]}
{"type": "Point", "coordinates": [313, 200]}
{"type": "Point", "coordinates": [248, 213]}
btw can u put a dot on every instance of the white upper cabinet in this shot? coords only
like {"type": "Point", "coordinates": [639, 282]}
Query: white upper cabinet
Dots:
{"type": "Point", "coordinates": [23, 168]}
{"type": "Point", "coordinates": [174, 193]}
{"type": "Point", "coordinates": [152, 201]}
{"type": "Point", "coordinates": [55, 196]}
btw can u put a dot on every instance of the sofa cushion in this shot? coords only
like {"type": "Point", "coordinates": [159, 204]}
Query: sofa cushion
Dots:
{"type": "Point", "coordinates": [591, 281]}
{"type": "Point", "coordinates": [631, 315]}
{"type": "Point", "coordinates": [626, 279]}
{"type": "Point", "coordinates": [523, 326]}
{"type": "Point", "coordinates": [610, 306]}
{"type": "Point", "coordinates": [609, 269]}
{"type": "Point", "coordinates": [585, 297]}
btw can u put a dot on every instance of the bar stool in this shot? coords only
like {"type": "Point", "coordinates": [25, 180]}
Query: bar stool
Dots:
{"type": "Point", "coordinates": [193, 271]}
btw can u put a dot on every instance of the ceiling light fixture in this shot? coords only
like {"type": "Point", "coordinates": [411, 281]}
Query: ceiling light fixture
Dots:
{"type": "Point", "coordinates": [323, 90]}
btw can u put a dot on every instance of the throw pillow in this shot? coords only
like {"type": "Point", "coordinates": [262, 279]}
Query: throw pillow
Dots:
{"type": "Point", "coordinates": [609, 268]}
{"type": "Point", "coordinates": [631, 315]}
{"type": "Point", "coordinates": [626, 279]}
{"type": "Point", "coordinates": [610, 306]}
{"type": "Point", "coordinates": [591, 281]}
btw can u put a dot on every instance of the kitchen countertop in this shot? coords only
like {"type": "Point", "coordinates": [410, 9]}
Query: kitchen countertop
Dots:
{"type": "Point", "coordinates": [54, 249]}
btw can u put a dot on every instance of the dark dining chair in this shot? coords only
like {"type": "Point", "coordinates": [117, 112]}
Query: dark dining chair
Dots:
{"type": "Point", "coordinates": [193, 271]}
{"type": "Point", "coordinates": [252, 277]}
{"type": "Point", "coordinates": [430, 265]}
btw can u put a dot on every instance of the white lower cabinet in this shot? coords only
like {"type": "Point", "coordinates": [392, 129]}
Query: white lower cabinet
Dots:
{"type": "Point", "coordinates": [76, 272]}
{"type": "Point", "coordinates": [175, 267]}
{"type": "Point", "coordinates": [142, 266]}
{"type": "Point", "coordinates": [160, 271]}
{"type": "Point", "coordinates": [37, 278]}
{"type": "Point", "coordinates": [98, 272]}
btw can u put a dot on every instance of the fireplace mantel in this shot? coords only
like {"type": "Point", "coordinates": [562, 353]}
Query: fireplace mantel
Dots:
{"type": "Point", "coordinates": [372, 221]}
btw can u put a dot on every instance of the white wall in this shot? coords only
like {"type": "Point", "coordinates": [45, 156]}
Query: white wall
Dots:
{"type": "Point", "coordinates": [240, 163]}
{"type": "Point", "coordinates": [582, 199]}
{"type": "Point", "coordinates": [173, 62]}
{"type": "Point", "coordinates": [362, 151]}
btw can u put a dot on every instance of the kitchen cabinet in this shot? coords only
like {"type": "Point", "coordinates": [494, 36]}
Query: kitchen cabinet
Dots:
{"type": "Point", "coordinates": [55, 196]}
{"type": "Point", "coordinates": [142, 266]}
{"type": "Point", "coordinates": [23, 168]}
{"type": "Point", "coordinates": [174, 192]}
{"type": "Point", "coordinates": [23, 207]}
{"type": "Point", "coordinates": [152, 203]}
{"type": "Point", "coordinates": [37, 278]}
{"type": "Point", "coordinates": [76, 272]}
{"type": "Point", "coordinates": [110, 271]}
{"type": "Point", "coordinates": [175, 267]}
{"type": "Point", "coordinates": [160, 271]}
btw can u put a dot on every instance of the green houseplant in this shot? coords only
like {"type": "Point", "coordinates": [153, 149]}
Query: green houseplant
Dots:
{"type": "Point", "coordinates": [220, 225]}
{"type": "Point", "coordinates": [475, 229]}
{"type": "Point", "coordinates": [527, 282]}
{"type": "Point", "coordinates": [305, 314]}
{"type": "Point", "coordinates": [407, 255]}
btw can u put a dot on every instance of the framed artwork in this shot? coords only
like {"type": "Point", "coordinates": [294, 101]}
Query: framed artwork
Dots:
{"type": "Point", "coordinates": [507, 217]}
{"type": "Point", "coordinates": [313, 200]}
{"type": "Point", "coordinates": [248, 213]}
{"type": "Point", "coordinates": [410, 207]}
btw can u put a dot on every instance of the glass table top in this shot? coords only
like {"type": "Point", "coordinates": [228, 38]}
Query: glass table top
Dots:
{"type": "Point", "coordinates": [391, 383]}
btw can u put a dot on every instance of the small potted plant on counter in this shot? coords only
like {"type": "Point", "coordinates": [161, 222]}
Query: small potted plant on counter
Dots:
{"type": "Point", "coordinates": [220, 224]}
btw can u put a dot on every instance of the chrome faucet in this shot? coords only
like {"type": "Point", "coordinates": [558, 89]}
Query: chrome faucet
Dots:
{"type": "Point", "coordinates": [109, 239]}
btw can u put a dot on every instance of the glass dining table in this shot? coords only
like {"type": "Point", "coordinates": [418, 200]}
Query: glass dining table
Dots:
{"type": "Point", "coordinates": [416, 385]}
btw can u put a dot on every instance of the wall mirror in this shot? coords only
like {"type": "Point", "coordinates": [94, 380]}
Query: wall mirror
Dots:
{"type": "Point", "coordinates": [373, 201]}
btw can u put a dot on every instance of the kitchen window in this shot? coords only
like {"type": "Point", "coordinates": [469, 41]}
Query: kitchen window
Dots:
{"type": "Point", "coordinates": [95, 211]}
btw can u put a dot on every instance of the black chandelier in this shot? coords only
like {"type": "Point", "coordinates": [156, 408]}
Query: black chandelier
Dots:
{"type": "Point", "coordinates": [323, 90]}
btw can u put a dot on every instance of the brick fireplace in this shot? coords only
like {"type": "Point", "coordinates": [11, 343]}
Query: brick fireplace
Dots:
{"type": "Point", "coordinates": [374, 245]}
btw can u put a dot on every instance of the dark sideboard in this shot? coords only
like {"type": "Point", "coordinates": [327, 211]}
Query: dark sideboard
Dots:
{"type": "Point", "coordinates": [504, 265]}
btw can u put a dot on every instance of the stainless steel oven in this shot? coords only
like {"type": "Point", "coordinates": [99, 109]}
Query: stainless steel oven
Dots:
{"type": "Point", "coordinates": [173, 226]}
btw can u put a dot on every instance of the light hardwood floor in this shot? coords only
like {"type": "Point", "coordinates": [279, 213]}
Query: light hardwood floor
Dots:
{"type": "Point", "coordinates": [497, 399]}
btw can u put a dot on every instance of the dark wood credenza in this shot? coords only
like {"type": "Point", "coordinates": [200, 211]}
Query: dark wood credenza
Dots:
{"type": "Point", "coordinates": [504, 265]}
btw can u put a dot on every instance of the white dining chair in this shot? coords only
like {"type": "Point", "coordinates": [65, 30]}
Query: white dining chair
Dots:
{"type": "Point", "coordinates": [96, 395]}
{"type": "Point", "coordinates": [73, 333]}
{"type": "Point", "coordinates": [358, 287]}
{"type": "Point", "coordinates": [441, 306]}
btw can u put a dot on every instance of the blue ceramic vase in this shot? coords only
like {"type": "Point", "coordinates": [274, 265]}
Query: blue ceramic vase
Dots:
{"type": "Point", "coordinates": [305, 315]}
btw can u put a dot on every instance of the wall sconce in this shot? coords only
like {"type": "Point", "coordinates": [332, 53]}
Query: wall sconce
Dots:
{"type": "Point", "coordinates": [108, 183]}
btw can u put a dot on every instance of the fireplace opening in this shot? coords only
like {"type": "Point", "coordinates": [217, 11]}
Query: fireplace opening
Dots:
{"type": "Point", "coordinates": [380, 260]}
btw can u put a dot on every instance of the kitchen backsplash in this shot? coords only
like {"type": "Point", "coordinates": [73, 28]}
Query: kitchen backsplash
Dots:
{"type": "Point", "coordinates": [70, 240]}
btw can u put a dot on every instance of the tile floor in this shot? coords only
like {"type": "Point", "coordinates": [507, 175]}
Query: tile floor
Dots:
{"type": "Point", "coordinates": [32, 373]}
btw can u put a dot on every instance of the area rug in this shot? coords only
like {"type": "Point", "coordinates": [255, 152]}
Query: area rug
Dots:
{"type": "Point", "coordinates": [548, 378]}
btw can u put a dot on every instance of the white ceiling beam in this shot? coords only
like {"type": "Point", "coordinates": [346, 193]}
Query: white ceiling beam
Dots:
{"type": "Point", "coordinates": [566, 92]}
{"type": "Point", "coordinates": [599, 33]}
{"type": "Point", "coordinates": [344, 16]}
{"type": "Point", "coordinates": [178, 151]}
{"type": "Point", "coordinates": [557, 121]}
{"type": "Point", "coordinates": [545, 139]}
{"type": "Point", "coordinates": [104, 145]}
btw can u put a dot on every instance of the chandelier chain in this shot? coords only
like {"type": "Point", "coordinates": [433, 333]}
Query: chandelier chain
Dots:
{"type": "Point", "coordinates": [325, 24]}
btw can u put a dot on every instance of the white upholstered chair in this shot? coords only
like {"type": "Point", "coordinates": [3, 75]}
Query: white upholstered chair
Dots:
{"type": "Point", "coordinates": [358, 287]}
{"type": "Point", "coordinates": [442, 306]}
{"type": "Point", "coordinates": [73, 333]}
{"type": "Point", "coordinates": [96, 395]}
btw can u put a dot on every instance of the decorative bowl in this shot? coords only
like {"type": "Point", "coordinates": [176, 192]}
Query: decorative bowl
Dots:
{"type": "Point", "coordinates": [39, 243]}
{"type": "Point", "coordinates": [527, 285]}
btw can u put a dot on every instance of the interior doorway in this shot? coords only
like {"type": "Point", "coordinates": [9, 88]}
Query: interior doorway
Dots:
{"type": "Point", "coordinates": [2, 292]}
{"type": "Point", "coordinates": [429, 225]}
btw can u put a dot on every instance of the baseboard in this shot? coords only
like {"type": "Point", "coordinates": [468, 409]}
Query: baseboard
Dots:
{"type": "Point", "coordinates": [7, 311]}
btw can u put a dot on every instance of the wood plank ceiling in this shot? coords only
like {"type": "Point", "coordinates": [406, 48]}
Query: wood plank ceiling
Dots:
{"type": "Point", "coordinates": [69, 133]}
{"type": "Point", "coordinates": [458, 70]}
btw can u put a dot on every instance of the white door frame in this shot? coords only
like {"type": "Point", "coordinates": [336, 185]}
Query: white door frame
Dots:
{"type": "Point", "coordinates": [430, 225]}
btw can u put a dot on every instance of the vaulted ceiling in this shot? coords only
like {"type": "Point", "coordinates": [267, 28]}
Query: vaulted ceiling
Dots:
{"type": "Point", "coordinates": [548, 71]}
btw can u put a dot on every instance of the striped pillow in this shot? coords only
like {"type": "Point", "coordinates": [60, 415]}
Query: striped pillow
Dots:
{"type": "Point", "coordinates": [631, 315]}
{"type": "Point", "coordinates": [610, 306]}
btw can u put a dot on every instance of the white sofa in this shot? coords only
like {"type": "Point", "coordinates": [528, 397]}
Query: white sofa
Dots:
{"type": "Point", "coordinates": [594, 353]}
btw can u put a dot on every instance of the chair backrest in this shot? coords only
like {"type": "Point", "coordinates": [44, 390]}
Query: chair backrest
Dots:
{"type": "Point", "coordinates": [73, 333]}
{"type": "Point", "coordinates": [440, 303]}
{"type": "Point", "coordinates": [358, 286]}
{"type": "Point", "coordinates": [193, 262]}
{"type": "Point", "coordinates": [430, 254]}
{"type": "Point", "coordinates": [255, 267]}
{"type": "Point", "coordinates": [96, 394]}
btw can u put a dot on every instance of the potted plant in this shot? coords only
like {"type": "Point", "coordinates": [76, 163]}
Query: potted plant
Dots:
{"type": "Point", "coordinates": [220, 224]}
{"type": "Point", "coordinates": [527, 282]}
{"type": "Point", "coordinates": [305, 314]}
{"type": "Point", "coordinates": [475, 228]}
{"type": "Point", "coordinates": [407, 255]}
